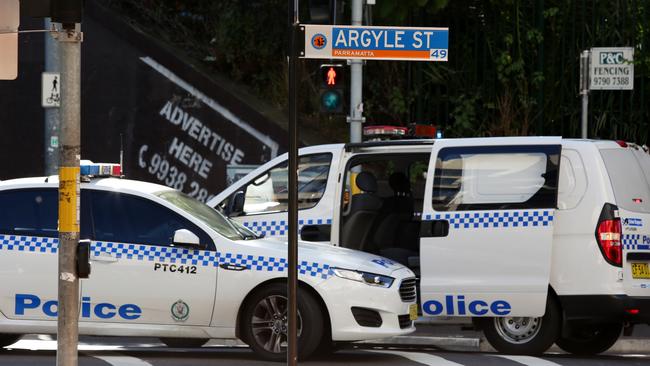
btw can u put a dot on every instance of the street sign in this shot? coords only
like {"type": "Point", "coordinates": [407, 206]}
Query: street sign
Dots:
{"type": "Point", "coordinates": [51, 90]}
{"type": "Point", "coordinates": [9, 22]}
{"type": "Point", "coordinates": [375, 43]}
{"type": "Point", "coordinates": [611, 68]}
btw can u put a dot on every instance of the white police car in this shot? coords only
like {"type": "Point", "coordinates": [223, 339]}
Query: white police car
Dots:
{"type": "Point", "coordinates": [538, 239]}
{"type": "Point", "coordinates": [168, 266]}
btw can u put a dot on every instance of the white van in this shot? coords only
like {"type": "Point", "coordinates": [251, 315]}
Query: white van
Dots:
{"type": "Point", "coordinates": [537, 239]}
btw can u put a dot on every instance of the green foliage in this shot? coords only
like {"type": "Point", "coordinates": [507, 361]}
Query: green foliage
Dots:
{"type": "Point", "coordinates": [512, 70]}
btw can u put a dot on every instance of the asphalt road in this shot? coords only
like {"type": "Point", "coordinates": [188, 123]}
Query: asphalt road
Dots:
{"type": "Point", "coordinates": [37, 351]}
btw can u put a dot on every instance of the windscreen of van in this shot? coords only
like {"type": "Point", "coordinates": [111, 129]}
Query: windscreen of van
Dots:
{"type": "Point", "coordinates": [628, 179]}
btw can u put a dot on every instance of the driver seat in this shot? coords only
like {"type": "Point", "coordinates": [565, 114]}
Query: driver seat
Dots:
{"type": "Point", "coordinates": [364, 209]}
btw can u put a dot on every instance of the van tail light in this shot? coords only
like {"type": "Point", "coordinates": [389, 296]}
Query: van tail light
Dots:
{"type": "Point", "coordinates": [608, 235]}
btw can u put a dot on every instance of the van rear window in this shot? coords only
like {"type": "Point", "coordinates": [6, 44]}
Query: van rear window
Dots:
{"type": "Point", "coordinates": [630, 186]}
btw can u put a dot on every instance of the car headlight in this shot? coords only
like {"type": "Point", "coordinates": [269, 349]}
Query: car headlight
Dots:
{"type": "Point", "coordinates": [368, 278]}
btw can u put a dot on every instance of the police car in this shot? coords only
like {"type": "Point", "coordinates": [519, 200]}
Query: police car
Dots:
{"type": "Point", "coordinates": [165, 265]}
{"type": "Point", "coordinates": [537, 239]}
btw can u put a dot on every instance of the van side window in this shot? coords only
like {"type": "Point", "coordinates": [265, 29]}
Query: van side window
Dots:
{"type": "Point", "coordinates": [573, 180]}
{"type": "Point", "coordinates": [270, 191]}
{"type": "Point", "coordinates": [496, 177]}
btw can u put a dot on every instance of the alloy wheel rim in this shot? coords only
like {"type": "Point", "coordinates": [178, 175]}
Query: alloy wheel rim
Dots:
{"type": "Point", "coordinates": [270, 323]}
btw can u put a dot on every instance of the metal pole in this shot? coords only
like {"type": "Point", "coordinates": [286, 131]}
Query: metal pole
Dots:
{"type": "Point", "coordinates": [584, 90]}
{"type": "Point", "coordinates": [292, 257]}
{"type": "Point", "coordinates": [51, 114]}
{"type": "Point", "coordinates": [539, 24]}
{"type": "Point", "coordinates": [68, 309]}
{"type": "Point", "coordinates": [356, 82]}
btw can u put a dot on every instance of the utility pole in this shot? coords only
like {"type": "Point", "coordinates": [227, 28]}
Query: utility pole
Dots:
{"type": "Point", "coordinates": [292, 257]}
{"type": "Point", "coordinates": [356, 82]}
{"type": "Point", "coordinates": [52, 121]}
{"type": "Point", "coordinates": [584, 90]}
{"type": "Point", "coordinates": [68, 13]}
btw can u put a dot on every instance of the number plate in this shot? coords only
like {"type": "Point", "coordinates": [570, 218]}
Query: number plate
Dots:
{"type": "Point", "coordinates": [640, 270]}
{"type": "Point", "coordinates": [413, 311]}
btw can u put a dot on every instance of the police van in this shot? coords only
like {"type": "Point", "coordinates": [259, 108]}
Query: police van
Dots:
{"type": "Point", "coordinates": [537, 239]}
{"type": "Point", "coordinates": [166, 265]}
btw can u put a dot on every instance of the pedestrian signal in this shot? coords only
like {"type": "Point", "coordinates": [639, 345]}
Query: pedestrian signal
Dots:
{"type": "Point", "coordinates": [332, 88]}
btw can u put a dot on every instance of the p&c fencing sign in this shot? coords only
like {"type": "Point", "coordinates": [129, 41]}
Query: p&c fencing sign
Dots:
{"type": "Point", "coordinates": [376, 43]}
{"type": "Point", "coordinates": [611, 68]}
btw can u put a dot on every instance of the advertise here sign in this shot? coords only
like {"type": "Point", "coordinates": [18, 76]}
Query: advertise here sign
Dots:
{"type": "Point", "coordinates": [185, 139]}
{"type": "Point", "coordinates": [377, 43]}
{"type": "Point", "coordinates": [611, 68]}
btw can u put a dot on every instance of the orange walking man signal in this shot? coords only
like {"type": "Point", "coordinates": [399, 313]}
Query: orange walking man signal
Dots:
{"type": "Point", "coordinates": [331, 76]}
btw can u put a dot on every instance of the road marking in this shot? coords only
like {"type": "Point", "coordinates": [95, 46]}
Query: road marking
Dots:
{"type": "Point", "coordinates": [49, 345]}
{"type": "Point", "coordinates": [529, 360]}
{"type": "Point", "coordinates": [423, 358]}
{"type": "Point", "coordinates": [119, 360]}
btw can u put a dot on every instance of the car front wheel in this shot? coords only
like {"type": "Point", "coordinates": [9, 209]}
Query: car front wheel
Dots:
{"type": "Point", "coordinates": [590, 339]}
{"type": "Point", "coordinates": [265, 326]}
{"type": "Point", "coordinates": [524, 335]}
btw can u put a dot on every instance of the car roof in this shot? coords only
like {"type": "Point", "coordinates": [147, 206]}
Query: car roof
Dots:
{"type": "Point", "coordinates": [118, 184]}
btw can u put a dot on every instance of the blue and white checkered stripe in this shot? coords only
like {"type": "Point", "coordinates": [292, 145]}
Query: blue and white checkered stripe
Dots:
{"type": "Point", "coordinates": [495, 219]}
{"type": "Point", "coordinates": [153, 253]}
{"type": "Point", "coordinates": [156, 253]}
{"type": "Point", "coordinates": [28, 243]}
{"type": "Point", "coordinates": [261, 263]}
{"type": "Point", "coordinates": [280, 227]}
{"type": "Point", "coordinates": [630, 239]}
{"type": "Point", "coordinates": [634, 242]}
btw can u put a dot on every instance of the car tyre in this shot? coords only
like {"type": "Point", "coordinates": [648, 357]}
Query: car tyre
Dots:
{"type": "Point", "coordinates": [184, 342]}
{"type": "Point", "coordinates": [9, 339]}
{"type": "Point", "coordinates": [590, 339]}
{"type": "Point", "coordinates": [524, 335]}
{"type": "Point", "coordinates": [264, 322]}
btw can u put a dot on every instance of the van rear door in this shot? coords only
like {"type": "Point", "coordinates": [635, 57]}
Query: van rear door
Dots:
{"type": "Point", "coordinates": [487, 226]}
{"type": "Point", "coordinates": [629, 172]}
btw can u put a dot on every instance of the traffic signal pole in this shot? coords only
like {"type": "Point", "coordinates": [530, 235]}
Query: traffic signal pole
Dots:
{"type": "Point", "coordinates": [584, 92]}
{"type": "Point", "coordinates": [69, 38]}
{"type": "Point", "coordinates": [52, 120]}
{"type": "Point", "coordinates": [292, 257]}
{"type": "Point", "coordinates": [356, 82]}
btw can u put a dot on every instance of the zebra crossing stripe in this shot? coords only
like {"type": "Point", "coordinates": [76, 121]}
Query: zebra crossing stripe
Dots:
{"type": "Point", "coordinates": [423, 358]}
{"type": "Point", "coordinates": [529, 360]}
{"type": "Point", "coordinates": [119, 360]}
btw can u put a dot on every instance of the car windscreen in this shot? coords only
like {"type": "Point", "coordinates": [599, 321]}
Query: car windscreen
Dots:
{"type": "Point", "coordinates": [203, 212]}
{"type": "Point", "coordinates": [630, 186]}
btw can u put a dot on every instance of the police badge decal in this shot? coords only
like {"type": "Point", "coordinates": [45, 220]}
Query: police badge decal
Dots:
{"type": "Point", "coordinates": [180, 311]}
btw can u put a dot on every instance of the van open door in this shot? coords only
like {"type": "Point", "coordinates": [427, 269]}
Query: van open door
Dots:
{"type": "Point", "coordinates": [487, 226]}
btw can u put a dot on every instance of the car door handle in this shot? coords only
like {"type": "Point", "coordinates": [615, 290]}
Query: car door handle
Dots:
{"type": "Point", "coordinates": [434, 228]}
{"type": "Point", "coordinates": [104, 258]}
{"type": "Point", "coordinates": [233, 267]}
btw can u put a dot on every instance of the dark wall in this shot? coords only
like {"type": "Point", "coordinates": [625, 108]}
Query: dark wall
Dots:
{"type": "Point", "coordinates": [21, 115]}
{"type": "Point", "coordinates": [179, 127]}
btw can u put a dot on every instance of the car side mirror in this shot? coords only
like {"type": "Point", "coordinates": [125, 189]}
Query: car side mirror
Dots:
{"type": "Point", "coordinates": [236, 204]}
{"type": "Point", "coordinates": [185, 237]}
{"type": "Point", "coordinates": [316, 232]}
